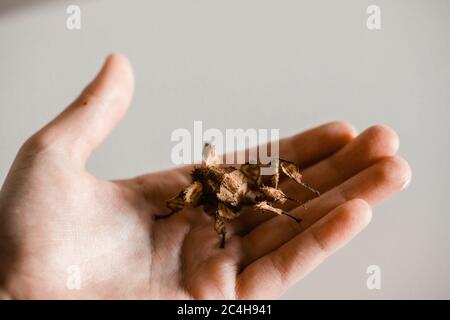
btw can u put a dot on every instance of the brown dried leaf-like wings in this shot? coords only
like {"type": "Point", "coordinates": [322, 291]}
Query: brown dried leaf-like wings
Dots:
{"type": "Point", "coordinates": [233, 188]}
{"type": "Point", "coordinates": [252, 172]}
{"type": "Point", "coordinates": [190, 195]}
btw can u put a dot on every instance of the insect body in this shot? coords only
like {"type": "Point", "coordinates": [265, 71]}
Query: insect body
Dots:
{"type": "Point", "coordinates": [224, 191]}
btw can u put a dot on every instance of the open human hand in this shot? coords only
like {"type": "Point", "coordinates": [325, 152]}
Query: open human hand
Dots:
{"type": "Point", "coordinates": [55, 215]}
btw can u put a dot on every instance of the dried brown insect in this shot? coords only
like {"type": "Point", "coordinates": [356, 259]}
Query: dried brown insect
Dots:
{"type": "Point", "coordinates": [224, 191]}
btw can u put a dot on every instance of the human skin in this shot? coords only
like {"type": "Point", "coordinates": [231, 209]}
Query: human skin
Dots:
{"type": "Point", "coordinates": [54, 214]}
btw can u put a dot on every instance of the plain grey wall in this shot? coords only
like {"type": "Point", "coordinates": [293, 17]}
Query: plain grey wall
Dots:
{"type": "Point", "coordinates": [258, 64]}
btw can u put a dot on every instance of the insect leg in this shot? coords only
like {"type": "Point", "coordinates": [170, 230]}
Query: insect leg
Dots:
{"type": "Point", "coordinates": [220, 228]}
{"type": "Point", "coordinates": [265, 206]}
{"type": "Point", "coordinates": [190, 195]}
{"type": "Point", "coordinates": [291, 170]}
{"type": "Point", "coordinates": [307, 186]}
{"type": "Point", "coordinates": [175, 204]}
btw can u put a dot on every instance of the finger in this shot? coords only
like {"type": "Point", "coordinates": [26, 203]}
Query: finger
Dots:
{"type": "Point", "coordinates": [82, 126]}
{"type": "Point", "coordinates": [374, 184]}
{"type": "Point", "coordinates": [305, 148]}
{"type": "Point", "coordinates": [270, 276]}
{"type": "Point", "coordinates": [370, 146]}
{"type": "Point", "coordinates": [373, 144]}
{"type": "Point", "coordinates": [317, 143]}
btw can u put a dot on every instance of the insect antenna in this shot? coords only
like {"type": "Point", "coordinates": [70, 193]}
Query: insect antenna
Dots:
{"type": "Point", "coordinates": [291, 170]}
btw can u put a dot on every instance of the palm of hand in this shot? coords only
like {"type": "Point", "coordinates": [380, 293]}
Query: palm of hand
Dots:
{"type": "Point", "coordinates": [57, 219]}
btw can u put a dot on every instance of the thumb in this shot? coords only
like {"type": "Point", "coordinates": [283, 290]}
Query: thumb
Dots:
{"type": "Point", "coordinates": [83, 126]}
